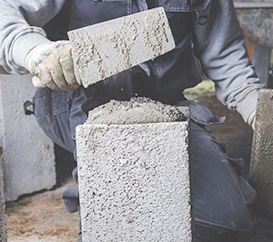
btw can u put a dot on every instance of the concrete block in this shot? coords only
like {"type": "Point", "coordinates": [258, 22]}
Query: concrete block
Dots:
{"type": "Point", "coordinates": [261, 168]}
{"type": "Point", "coordinates": [134, 182]}
{"type": "Point", "coordinates": [28, 154]}
{"type": "Point", "coordinates": [3, 234]}
{"type": "Point", "coordinates": [104, 49]}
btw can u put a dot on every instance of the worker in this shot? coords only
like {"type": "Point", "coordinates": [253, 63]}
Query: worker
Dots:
{"type": "Point", "coordinates": [208, 38]}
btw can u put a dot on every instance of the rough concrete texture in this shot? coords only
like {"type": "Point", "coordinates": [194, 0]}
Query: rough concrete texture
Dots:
{"type": "Point", "coordinates": [261, 168]}
{"type": "Point", "coordinates": [134, 186]}
{"type": "Point", "coordinates": [105, 49]}
{"type": "Point", "coordinates": [28, 155]}
{"type": "Point", "coordinates": [3, 234]}
{"type": "Point", "coordinates": [134, 180]}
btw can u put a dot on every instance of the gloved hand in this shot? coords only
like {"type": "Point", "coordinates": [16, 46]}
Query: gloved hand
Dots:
{"type": "Point", "coordinates": [52, 66]}
{"type": "Point", "coordinates": [251, 120]}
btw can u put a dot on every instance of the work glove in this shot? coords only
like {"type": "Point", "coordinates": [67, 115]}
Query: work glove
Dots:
{"type": "Point", "coordinates": [52, 65]}
{"type": "Point", "coordinates": [251, 120]}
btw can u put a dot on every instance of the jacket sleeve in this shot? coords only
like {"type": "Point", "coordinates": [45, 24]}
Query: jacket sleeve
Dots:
{"type": "Point", "coordinates": [21, 29]}
{"type": "Point", "coordinates": [220, 47]}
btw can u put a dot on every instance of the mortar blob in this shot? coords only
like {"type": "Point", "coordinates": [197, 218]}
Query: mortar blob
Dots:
{"type": "Point", "coordinates": [138, 110]}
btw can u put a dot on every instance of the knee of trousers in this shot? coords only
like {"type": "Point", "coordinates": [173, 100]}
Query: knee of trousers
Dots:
{"type": "Point", "coordinates": [222, 199]}
{"type": "Point", "coordinates": [228, 211]}
{"type": "Point", "coordinates": [206, 233]}
{"type": "Point", "coordinates": [227, 206]}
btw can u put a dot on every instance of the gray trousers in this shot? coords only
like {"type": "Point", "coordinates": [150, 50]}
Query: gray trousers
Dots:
{"type": "Point", "coordinates": [221, 198]}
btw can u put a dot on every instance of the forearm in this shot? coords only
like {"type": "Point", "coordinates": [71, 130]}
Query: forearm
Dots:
{"type": "Point", "coordinates": [20, 30]}
{"type": "Point", "coordinates": [221, 49]}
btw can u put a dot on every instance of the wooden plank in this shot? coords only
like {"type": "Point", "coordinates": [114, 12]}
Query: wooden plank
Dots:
{"type": "Point", "coordinates": [252, 5]}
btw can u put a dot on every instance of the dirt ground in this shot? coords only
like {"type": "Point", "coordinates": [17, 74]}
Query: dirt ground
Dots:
{"type": "Point", "coordinates": [42, 216]}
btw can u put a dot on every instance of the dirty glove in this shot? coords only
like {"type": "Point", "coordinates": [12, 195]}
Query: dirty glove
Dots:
{"type": "Point", "coordinates": [52, 66]}
{"type": "Point", "coordinates": [251, 120]}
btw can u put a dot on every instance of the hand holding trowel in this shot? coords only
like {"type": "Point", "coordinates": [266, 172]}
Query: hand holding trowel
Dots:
{"type": "Point", "coordinates": [101, 50]}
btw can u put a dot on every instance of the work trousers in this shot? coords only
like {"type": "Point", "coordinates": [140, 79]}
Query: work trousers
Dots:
{"type": "Point", "coordinates": [221, 198]}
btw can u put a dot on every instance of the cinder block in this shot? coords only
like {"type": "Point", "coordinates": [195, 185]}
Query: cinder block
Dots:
{"type": "Point", "coordinates": [104, 49]}
{"type": "Point", "coordinates": [261, 168]}
{"type": "Point", "coordinates": [3, 234]}
{"type": "Point", "coordinates": [28, 154]}
{"type": "Point", "coordinates": [134, 182]}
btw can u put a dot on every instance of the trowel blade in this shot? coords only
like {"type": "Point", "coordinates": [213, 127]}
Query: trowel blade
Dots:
{"type": "Point", "coordinates": [108, 48]}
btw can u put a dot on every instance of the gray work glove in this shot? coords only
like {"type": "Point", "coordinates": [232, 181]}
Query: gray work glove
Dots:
{"type": "Point", "coordinates": [252, 120]}
{"type": "Point", "coordinates": [52, 65]}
